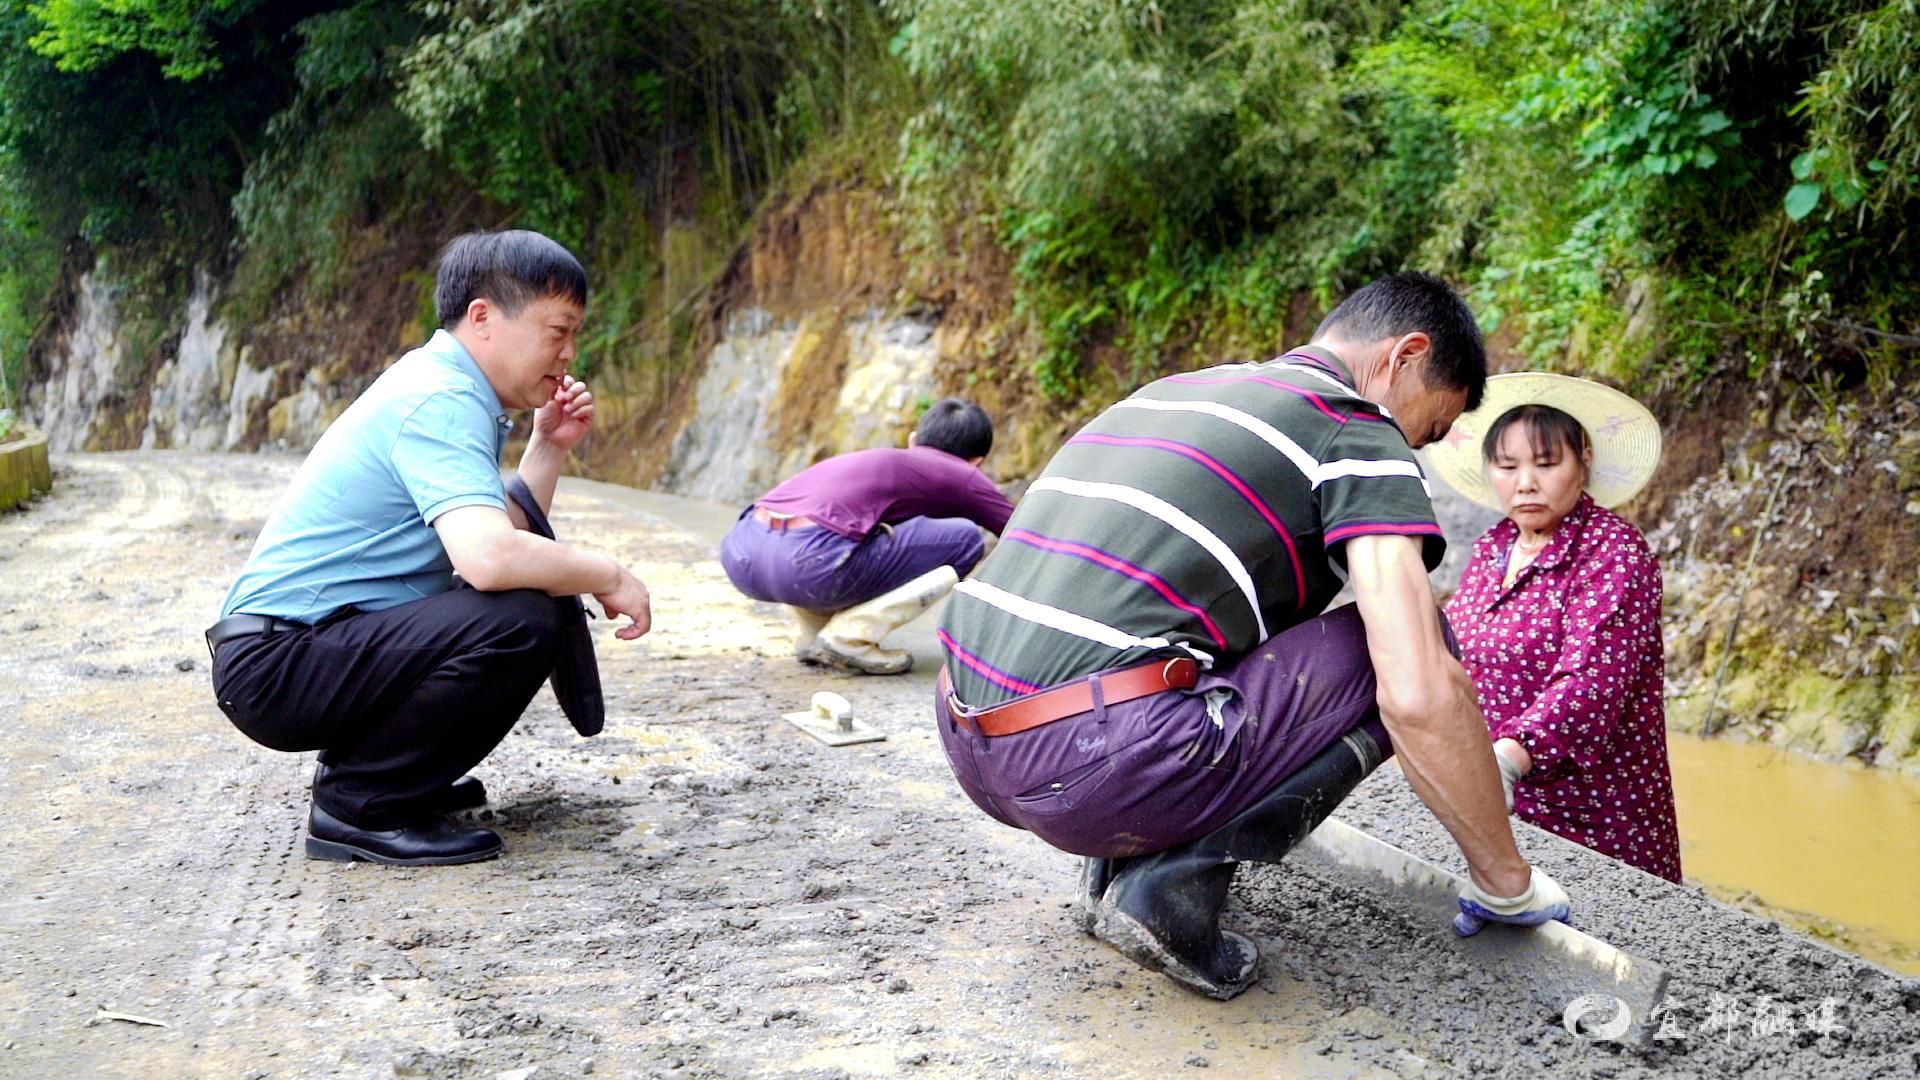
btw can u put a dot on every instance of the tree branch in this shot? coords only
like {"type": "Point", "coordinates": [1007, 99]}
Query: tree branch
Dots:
{"type": "Point", "coordinates": [1909, 340]}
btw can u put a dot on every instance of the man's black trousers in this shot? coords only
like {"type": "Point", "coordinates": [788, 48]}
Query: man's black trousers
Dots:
{"type": "Point", "coordinates": [401, 701]}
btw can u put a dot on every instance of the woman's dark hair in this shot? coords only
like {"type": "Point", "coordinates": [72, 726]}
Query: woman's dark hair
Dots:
{"type": "Point", "coordinates": [961, 428]}
{"type": "Point", "coordinates": [512, 269]}
{"type": "Point", "coordinates": [1405, 302]}
{"type": "Point", "coordinates": [1548, 429]}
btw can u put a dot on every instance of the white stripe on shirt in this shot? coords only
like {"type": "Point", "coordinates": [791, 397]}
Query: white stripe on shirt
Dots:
{"type": "Point", "coordinates": [1312, 370]}
{"type": "Point", "coordinates": [1299, 369]}
{"type": "Point", "coordinates": [1170, 515]}
{"type": "Point", "coordinates": [1333, 470]}
{"type": "Point", "coordinates": [1255, 426]}
{"type": "Point", "coordinates": [1309, 369]}
{"type": "Point", "coordinates": [1067, 622]}
{"type": "Point", "coordinates": [1315, 472]}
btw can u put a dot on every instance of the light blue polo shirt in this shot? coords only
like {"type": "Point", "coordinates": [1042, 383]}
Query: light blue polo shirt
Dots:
{"type": "Point", "coordinates": [355, 527]}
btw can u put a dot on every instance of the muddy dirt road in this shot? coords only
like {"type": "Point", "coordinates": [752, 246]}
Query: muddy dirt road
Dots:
{"type": "Point", "coordinates": [702, 890]}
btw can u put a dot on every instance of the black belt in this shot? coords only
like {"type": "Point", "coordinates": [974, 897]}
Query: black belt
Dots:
{"type": "Point", "coordinates": [234, 626]}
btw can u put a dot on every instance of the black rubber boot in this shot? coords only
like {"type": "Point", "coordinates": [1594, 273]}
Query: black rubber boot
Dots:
{"type": "Point", "coordinates": [1095, 875]}
{"type": "Point", "coordinates": [1163, 910]}
{"type": "Point", "coordinates": [1164, 914]}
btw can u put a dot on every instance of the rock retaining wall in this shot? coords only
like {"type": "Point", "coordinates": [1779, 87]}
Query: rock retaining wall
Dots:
{"type": "Point", "coordinates": [24, 470]}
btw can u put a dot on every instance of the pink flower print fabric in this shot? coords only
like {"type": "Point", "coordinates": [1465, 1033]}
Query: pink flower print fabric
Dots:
{"type": "Point", "coordinates": [1568, 662]}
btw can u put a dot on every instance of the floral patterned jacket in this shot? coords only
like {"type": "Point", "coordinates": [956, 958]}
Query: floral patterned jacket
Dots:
{"type": "Point", "coordinates": [1568, 662]}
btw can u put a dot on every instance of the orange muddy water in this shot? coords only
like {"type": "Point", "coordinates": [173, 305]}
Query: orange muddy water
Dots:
{"type": "Point", "coordinates": [1832, 849]}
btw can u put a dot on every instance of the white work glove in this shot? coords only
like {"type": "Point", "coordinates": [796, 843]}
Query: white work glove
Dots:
{"type": "Point", "coordinates": [1544, 900]}
{"type": "Point", "coordinates": [1510, 773]}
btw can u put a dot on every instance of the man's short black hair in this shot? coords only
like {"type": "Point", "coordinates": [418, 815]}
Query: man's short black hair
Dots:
{"type": "Point", "coordinates": [961, 428]}
{"type": "Point", "coordinates": [1405, 302]}
{"type": "Point", "coordinates": [512, 269]}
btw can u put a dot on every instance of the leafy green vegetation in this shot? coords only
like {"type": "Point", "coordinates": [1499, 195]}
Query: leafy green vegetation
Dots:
{"type": "Point", "coordinates": [1610, 179]}
{"type": "Point", "coordinates": [1650, 189]}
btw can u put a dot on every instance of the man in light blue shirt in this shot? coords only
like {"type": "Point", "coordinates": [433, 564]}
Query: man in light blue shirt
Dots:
{"type": "Point", "coordinates": [354, 528]}
{"type": "Point", "coordinates": [345, 632]}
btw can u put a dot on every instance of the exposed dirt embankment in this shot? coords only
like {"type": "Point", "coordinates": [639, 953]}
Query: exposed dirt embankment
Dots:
{"type": "Point", "coordinates": [333, 349]}
{"type": "Point", "coordinates": [1791, 524]}
{"type": "Point", "coordinates": [827, 256]}
{"type": "Point", "coordinates": [125, 364]}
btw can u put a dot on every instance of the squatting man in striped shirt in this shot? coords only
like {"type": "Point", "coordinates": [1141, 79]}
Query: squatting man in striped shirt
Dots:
{"type": "Point", "coordinates": [1141, 672]}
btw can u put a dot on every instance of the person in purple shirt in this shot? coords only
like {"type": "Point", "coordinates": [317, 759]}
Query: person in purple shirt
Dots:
{"type": "Point", "coordinates": [859, 544]}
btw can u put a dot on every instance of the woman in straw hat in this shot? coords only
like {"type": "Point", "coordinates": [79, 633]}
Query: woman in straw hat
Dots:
{"type": "Point", "coordinates": [1558, 612]}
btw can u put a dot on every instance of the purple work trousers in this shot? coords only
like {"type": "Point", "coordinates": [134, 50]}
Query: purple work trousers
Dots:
{"type": "Point", "coordinates": [818, 569]}
{"type": "Point", "coordinates": [1148, 774]}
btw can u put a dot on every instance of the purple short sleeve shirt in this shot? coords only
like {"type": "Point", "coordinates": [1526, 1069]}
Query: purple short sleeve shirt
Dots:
{"type": "Point", "coordinates": [854, 493]}
{"type": "Point", "coordinates": [1568, 662]}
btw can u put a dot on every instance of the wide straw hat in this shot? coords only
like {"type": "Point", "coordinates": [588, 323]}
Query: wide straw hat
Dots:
{"type": "Point", "coordinates": [1626, 437]}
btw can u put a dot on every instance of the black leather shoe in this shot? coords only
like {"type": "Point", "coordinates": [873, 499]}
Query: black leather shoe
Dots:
{"type": "Point", "coordinates": [466, 793]}
{"type": "Point", "coordinates": [431, 841]}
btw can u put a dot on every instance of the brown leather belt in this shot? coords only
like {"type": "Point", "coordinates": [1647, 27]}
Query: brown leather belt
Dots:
{"type": "Point", "coordinates": [1071, 699]}
{"type": "Point", "coordinates": [782, 522]}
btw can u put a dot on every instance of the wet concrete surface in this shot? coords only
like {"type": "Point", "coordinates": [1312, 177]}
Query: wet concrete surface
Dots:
{"type": "Point", "coordinates": [702, 890]}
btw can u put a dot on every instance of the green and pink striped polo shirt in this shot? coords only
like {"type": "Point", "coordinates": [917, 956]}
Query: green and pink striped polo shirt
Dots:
{"type": "Point", "coordinates": [1198, 517]}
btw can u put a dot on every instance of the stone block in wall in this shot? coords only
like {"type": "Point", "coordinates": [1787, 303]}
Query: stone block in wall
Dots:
{"type": "Point", "coordinates": [24, 470]}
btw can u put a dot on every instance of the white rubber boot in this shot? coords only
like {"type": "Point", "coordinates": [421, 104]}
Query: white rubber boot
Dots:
{"type": "Point", "coordinates": [808, 623]}
{"type": "Point", "coordinates": [851, 639]}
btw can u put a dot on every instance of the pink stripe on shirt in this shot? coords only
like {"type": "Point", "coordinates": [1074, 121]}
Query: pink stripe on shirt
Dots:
{"type": "Point", "coordinates": [1218, 469]}
{"type": "Point", "coordinates": [1382, 528]}
{"type": "Point", "coordinates": [986, 671]}
{"type": "Point", "coordinates": [1123, 567]}
{"type": "Point", "coordinates": [1318, 401]}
